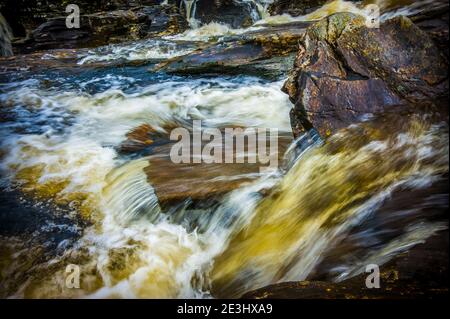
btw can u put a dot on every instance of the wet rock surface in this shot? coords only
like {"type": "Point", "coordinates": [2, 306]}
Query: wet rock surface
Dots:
{"type": "Point", "coordinates": [344, 73]}
{"type": "Point", "coordinates": [345, 70]}
{"type": "Point", "coordinates": [25, 15]}
{"type": "Point", "coordinates": [176, 182]}
{"type": "Point", "coordinates": [422, 272]}
{"type": "Point", "coordinates": [435, 22]}
{"type": "Point", "coordinates": [268, 53]}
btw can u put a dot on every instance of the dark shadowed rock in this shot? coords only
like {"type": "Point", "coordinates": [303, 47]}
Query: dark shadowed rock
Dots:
{"type": "Point", "coordinates": [165, 20]}
{"type": "Point", "coordinates": [235, 14]}
{"type": "Point", "coordinates": [26, 15]}
{"type": "Point", "coordinates": [345, 70]}
{"type": "Point", "coordinates": [130, 22]}
{"type": "Point", "coordinates": [268, 53]}
{"type": "Point", "coordinates": [97, 28]}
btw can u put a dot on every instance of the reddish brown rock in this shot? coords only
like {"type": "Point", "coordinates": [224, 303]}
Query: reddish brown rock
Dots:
{"type": "Point", "coordinates": [345, 70]}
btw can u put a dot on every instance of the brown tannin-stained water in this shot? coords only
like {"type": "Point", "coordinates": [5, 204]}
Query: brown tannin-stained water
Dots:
{"type": "Point", "coordinates": [84, 155]}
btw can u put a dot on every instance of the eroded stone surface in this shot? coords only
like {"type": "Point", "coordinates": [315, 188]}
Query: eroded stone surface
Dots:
{"type": "Point", "coordinates": [345, 70]}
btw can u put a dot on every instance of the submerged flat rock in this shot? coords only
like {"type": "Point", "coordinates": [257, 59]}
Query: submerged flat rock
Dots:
{"type": "Point", "coordinates": [268, 52]}
{"type": "Point", "coordinates": [176, 182]}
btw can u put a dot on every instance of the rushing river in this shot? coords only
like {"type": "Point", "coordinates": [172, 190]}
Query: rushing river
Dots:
{"type": "Point", "coordinates": [141, 227]}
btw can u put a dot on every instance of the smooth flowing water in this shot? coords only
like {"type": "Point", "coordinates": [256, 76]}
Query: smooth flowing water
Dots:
{"type": "Point", "coordinates": [141, 227]}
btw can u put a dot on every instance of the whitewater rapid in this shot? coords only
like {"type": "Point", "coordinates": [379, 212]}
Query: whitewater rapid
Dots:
{"type": "Point", "coordinates": [61, 143]}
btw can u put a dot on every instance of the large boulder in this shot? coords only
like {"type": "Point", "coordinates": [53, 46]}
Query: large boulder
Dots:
{"type": "Point", "coordinates": [345, 70]}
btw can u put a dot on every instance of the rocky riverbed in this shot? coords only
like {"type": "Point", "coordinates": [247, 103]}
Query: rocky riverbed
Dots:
{"type": "Point", "coordinates": [87, 177]}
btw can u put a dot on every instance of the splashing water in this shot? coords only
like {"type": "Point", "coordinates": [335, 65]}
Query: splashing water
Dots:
{"type": "Point", "coordinates": [142, 50]}
{"type": "Point", "coordinates": [259, 10]}
{"type": "Point", "coordinates": [389, 9]}
{"type": "Point", "coordinates": [262, 7]}
{"type": "Point", "coordinates": [247, 240]}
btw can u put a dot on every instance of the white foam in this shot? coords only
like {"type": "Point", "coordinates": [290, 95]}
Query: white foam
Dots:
{"type": "Point", "coordinates": [136, 51]}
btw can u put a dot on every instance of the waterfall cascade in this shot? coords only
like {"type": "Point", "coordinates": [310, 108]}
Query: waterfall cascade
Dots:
{"type": "Point", "coordinates": [85, 139]}
{"type": "Point", "coordinates": [190, 6]}
{"type": "Point", "coordinates": [259, 9]}
{"type": "Point", "coordinates": [5, 37]}
{"type": "Point", "coordinates": [262, 7]}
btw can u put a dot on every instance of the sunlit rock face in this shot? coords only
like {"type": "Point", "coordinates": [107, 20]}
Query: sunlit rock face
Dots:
{"type": "Point", "coordinates": [345, 70]}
